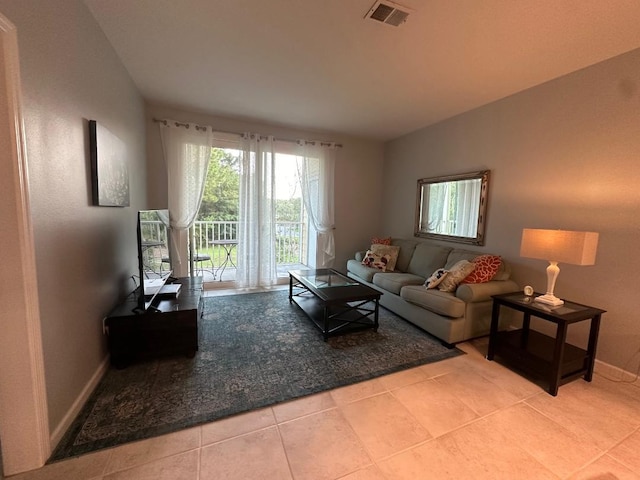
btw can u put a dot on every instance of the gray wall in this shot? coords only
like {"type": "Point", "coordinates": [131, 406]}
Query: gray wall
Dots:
{"type": "Point", "coordinates": [563, 155]}
{"type": "Point", "coordinates": [85, 255]}
{"type": "Point", "coordinates": [358, 175]}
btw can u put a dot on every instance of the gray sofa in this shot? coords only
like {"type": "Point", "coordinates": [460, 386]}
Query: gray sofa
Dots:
{"type": "Point", "coordinates": [452, 317]}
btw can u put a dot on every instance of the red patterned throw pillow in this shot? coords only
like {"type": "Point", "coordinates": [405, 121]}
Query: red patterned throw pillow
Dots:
{"type": "Point", "coordinates": [486, 268]}
{"type": "Point", "coordinates": [381, 241]}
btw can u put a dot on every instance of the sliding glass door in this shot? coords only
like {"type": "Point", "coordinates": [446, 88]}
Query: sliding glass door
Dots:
{"type": "Point", "coordinates": [216, 235]}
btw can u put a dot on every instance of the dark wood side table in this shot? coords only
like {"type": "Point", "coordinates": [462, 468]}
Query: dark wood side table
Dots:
{"type": "Point", "coordinates": [552, 359]}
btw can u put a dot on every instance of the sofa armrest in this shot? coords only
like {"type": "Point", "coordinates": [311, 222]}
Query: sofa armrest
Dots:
{"type": "Point", "coordinates": [360, 255]}
{"type": "Point", "coordinates": [480, 292]}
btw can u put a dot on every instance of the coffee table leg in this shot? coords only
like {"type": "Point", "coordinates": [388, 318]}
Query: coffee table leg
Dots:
{"type": "Point", "coordinates": [325, 331]}
{"type": "Point", "coordinates": [375, 316]}
{"type": "Point", "coordinates": [290, 288]}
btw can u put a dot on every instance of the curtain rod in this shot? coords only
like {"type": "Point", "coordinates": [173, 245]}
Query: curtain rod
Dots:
{"type": "Point", "coordinates": [290, 140]}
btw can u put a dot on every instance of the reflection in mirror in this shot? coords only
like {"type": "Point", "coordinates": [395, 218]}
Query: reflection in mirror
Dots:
{"type": "Point", "coordinates": [453, 207]}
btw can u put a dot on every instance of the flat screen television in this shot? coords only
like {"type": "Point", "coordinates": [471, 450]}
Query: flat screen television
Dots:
{"type": "Point", "coordinates": [153, 255]}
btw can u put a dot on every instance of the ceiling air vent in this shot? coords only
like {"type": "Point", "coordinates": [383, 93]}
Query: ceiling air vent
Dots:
{"type": "Point", "coordinates": [388, 12]}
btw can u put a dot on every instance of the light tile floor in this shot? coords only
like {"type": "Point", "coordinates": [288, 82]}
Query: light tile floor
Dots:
{"type": "Point", "coordinates": [462, 418]}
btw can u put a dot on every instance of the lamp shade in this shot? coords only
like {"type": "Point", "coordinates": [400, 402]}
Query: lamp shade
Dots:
{"type": "Point", "coordinates": [563, 246]}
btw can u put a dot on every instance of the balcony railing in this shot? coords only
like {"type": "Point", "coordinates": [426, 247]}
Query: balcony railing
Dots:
{"type": "Point", "coordinates": [290, 240]}
{"type": "Point", "coordinates": [291, 243]}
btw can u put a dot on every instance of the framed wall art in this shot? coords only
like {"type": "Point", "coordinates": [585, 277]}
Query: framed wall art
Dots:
{"type": "Point", "coordinates": [109, 170]}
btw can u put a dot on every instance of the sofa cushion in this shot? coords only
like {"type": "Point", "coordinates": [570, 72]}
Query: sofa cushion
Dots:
{"type": "Point", "coordinates": [427, 259]}
{"type": "Point", "coordinates": [390, 251]}
{"type": "Point", "coordinates": [406, 252]}
{"type": "Point", "coordinates": [458, 254]}
{"type": "Point", "coordinates": [442, 303]}
{"type": "Point", "coordinates": [362, 271]}
{"type": "Point", "coordinates": [504, 272]}
{"type": "Point", "coordinates": [393, 282]}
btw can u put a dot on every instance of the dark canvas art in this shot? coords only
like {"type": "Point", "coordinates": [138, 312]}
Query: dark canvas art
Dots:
{"type": "Point", "coordinates": [110, 173]}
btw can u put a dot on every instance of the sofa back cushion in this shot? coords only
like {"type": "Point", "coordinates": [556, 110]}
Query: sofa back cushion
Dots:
{"type": "Point", "coordinates": [458, 254]}
{"type": "Point", "coordinates": [504, 271]}
{"type": "Point", "coordinates": [406, 252]}
{"type": "Point", "coordinates": [427, 258]}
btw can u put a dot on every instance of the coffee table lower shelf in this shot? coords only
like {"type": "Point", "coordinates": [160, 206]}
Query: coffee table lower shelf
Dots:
{"type": "Point", "coordinates": [338, 318]}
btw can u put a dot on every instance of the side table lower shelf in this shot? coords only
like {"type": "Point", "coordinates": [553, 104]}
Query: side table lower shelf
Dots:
{"type": "Point", "coordinates": [550, 359]}
{"type": "Point", "coordinates": [533, 353]}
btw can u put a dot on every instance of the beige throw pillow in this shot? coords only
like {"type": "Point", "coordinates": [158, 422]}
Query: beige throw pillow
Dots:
{"type": "Point", "coordinates": [375, 260]}
{"type": "Point", "coordinates": [456, 274]}
{"type": "Point", "coordinates": [390, 250]}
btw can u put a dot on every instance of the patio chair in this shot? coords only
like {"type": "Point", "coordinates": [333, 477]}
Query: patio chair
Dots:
{"type": "Point", "coordinates": [199, 259]}
{"type": "Point", "coordinates": [164, 260]}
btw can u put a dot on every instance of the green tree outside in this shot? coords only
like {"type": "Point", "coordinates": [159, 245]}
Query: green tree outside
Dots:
{"type": "Point", "coordinates": [220, 202]}
{"type": "Point", "coordinates": [220, 197]}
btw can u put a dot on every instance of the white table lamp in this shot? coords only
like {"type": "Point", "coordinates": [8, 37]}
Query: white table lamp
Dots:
{"type": "Point", "coordinates": [558, 246]}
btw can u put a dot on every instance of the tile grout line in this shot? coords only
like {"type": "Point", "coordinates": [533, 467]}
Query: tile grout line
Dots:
{"type": "Point", "coordinates": [622, 440]}
{"type": "Point", "coordinates": [284, 448]}
{"type": "Point", "coordinates": [199, 465]}
{"type": "Point", "coordinates": [107, 463]}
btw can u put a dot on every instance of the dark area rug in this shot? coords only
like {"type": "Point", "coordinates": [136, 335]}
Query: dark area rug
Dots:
{"type": "Point", "coordinates": [255, 350]}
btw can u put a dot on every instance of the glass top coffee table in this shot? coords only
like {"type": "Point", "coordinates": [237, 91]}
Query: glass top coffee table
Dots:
{"type": "Point", "coordinates": [334, 302]}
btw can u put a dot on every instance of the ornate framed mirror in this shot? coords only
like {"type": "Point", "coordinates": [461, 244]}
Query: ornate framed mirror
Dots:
{"type": "Point", "coordinates": [453, 207]}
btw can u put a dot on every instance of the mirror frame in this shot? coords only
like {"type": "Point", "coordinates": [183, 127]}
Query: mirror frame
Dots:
{"type": "Point", "coordinates": [423, 183]}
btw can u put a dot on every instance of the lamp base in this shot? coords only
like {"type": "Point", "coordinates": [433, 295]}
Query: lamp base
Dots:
{"type": "Point", "coordinates": [549, 299]}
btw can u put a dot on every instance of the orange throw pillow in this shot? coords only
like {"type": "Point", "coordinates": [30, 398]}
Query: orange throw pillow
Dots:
{"type": "Point", "coordinates": [486, 268]}
{"type": "Point", "coordinates": [381, 241]}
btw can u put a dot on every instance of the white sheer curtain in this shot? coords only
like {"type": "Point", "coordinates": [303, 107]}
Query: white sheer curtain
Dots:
{"type": "Point", "coordinates": [468, 203]}
{"type": "Point", "coordinates": [187, 150]}
{"type": "Point", "coordinates": [438, 208]}
{"type": "Point", "coordinates": [256, 225]}
{"type": "Point", "coordinates": [316, 167]}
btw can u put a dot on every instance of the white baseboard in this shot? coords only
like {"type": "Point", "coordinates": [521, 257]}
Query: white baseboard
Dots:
{"type": "Point", "coordinates": [615, 373]}
{"type": "Point", "coordinates": [73, 412]}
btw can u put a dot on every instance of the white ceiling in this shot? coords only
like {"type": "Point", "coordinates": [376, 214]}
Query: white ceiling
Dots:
{"type": "Point", "coordinates": [319, 65]}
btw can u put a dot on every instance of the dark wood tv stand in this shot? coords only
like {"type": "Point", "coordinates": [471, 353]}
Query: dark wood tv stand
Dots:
{"type": "Point", "coordinates": [170, 328]}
